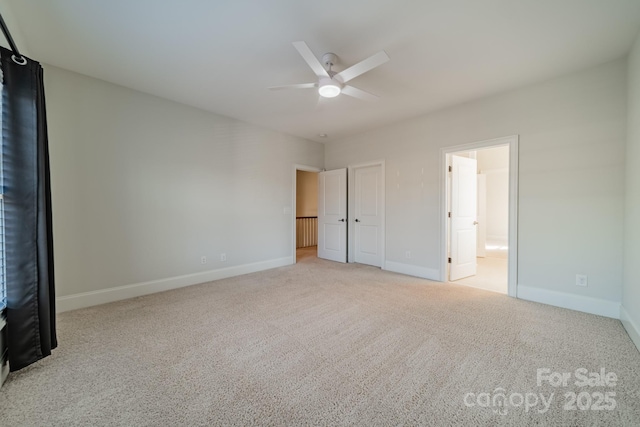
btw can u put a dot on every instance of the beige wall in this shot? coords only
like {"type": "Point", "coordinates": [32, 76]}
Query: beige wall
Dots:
{"type": "Point", "coordinates": [306, 193]}
{"type": "Point", "coordinates": [493, 158]}
{"type": "Point", "coordinates": [631, 285]}
{"type": "Point", "coordinates": [16, 31]}
{"type": "Point", "coordinates": [571, 170]}
{"type": "Point", "coordinates": [143, 187]}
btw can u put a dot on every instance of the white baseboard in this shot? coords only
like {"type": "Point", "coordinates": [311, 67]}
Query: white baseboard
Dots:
{"type": "Point", "coordinates": [103, 296]}
{"type": "Point", "coordinates": [571, 301]}
{"type": "Point", "coordinates": [412, 270]}
{"type": "Point", "coordinates": [631, 326]}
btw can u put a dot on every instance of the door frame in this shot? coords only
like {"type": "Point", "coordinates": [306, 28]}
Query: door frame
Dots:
{"type": "Point", "coordinates": [294, 204]}
{"type": "Point", "coordinates": [351, 187]}
{"type": "Point", "coordinates": [512, 141]}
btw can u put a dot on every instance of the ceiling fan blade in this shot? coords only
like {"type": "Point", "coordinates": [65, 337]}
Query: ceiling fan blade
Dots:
{"type": "Point", "coordinates": [363, 66]}
{"type": "Point", "coordinates": [359, 93]}
{"type": "Point", "coordinates": [311, 59]}
{"type": "Point", "coordinates": [298, 86]}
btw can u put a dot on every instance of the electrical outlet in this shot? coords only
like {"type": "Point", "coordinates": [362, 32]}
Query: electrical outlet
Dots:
{"type": "Point", "coordinates": [203, 260]}
{"type": "Point", "coordinates": [582, 280]}
{"type": "Point", "coordinates": [407, 254]}
{"type": "Point", "coordinates": [223, 257]}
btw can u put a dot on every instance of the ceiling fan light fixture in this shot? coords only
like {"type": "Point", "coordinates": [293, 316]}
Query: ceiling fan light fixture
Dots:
{"type": "Point", "coordinates": [329, 88]}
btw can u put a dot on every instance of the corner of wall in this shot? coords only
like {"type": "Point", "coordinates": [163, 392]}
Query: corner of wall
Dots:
{"type": "Point", "coordinates": [630, 309]}
{"type": "Point", "coordinates": [632, 328]}
{"type": "Point", "coordinates": [14, 28]}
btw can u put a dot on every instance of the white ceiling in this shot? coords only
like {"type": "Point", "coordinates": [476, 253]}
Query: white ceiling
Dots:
{"type": "Point", "coordinates": [222, 55]}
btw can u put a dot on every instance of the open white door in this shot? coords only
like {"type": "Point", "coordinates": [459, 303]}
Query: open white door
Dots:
{"type": "Point", "coordinates": [463, 217]}
{"type": "Point", "coordinates": [481, 247]}
{"type": "Point", "coordinates": [368, 215]}
{"type": "Point", "coordinates": [332, 215]}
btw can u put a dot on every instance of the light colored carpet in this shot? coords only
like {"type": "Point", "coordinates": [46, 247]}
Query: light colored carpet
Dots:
{"type": "Point", "coordinates": [321, 343]}
{"type": "Point", "coordinates": [492, 275]}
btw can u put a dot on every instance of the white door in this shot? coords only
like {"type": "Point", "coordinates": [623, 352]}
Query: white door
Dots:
{"type": "Point", "coordinates": [332, 215]}
{"type": "Point", "coordinates": [463, 217]}
{"type": "Point", "coordinates": [482, 216]}
{"type": "Point", "coordinates": [368, 215]}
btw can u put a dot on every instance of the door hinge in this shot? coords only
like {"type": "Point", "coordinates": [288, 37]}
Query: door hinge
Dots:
{"type": "Point", "coordinates": [450, 168]}
{"type": "Point", "coordinates": [449, 260]}
{"type": "Point", "coordinates": [449, 214]}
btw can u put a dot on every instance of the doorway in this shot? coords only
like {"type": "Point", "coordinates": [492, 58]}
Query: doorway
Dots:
{"type": "Point", "coordinates": [479, 195]}
{"type": "Point", "coordinates": [305, 215]}
{"type": "Point", "coordinates": [363, 240]}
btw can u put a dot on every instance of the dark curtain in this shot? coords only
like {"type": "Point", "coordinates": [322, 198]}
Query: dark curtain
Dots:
{"type": "Point", "coordinates": [27, 199]}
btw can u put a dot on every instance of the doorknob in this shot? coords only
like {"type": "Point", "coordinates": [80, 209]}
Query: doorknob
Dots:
{"type": "Point", "coordinates": [475, 222]}
{"type": "Point", "coordinates": [357, 220]}
{"type": "Point", "coordinates": [341, 220]}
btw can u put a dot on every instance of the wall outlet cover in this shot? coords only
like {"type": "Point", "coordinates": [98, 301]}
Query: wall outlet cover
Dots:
{"type": "Point", "coordinates": [582, 280]}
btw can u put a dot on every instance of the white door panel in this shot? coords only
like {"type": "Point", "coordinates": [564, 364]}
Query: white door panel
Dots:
{"type": "Point", "coordinates": [463, 217]}
{"type": "Point", "coordinates": [369, 239]}
{"type": "Point", "coordinates": [368, 215]}
{"type": "Point", "coordinates": [332, 237]}
{"type": "Point", "coordinates": [332, 215]}
{"type": "Point", "coordinates": [482, 215]}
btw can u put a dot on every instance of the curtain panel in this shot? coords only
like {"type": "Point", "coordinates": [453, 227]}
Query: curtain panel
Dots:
{"type": "Point", "coordinates": [27, 199]}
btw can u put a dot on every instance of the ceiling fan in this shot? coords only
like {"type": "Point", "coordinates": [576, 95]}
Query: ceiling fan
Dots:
{"type": "Point", "coordinates": [331, 83]}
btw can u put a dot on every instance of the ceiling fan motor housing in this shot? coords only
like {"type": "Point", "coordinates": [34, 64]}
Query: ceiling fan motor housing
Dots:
{"type": "Point", "coordinates": [329, 59]}
{"type": "Point", "coordinates": [329, 87]}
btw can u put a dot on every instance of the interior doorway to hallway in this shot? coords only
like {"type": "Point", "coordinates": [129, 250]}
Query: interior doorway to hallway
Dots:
{"type": "Point", "coordinates": [305, 203]}
{"type": "Point", "coordinates": [479, 226]}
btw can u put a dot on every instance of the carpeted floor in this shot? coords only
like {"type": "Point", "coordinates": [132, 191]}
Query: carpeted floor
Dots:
{"type": "Point", "coordinates": [492, 275]}
{"type": "Point", "coordinates": [322, 343]}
